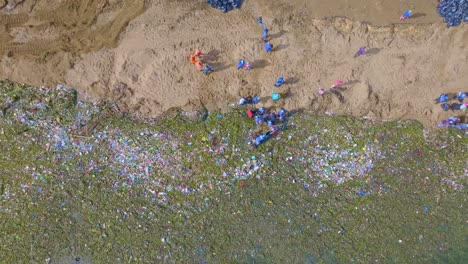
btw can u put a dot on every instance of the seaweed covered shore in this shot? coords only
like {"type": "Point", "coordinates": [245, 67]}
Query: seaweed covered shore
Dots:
{"type": "Point", "coordinates": [87, 183]}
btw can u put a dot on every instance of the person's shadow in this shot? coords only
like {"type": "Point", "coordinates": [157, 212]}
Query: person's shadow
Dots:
{"type": "Point", "coordinates": [211, 57]}
{"type": "Point", "coordinates": [277, 35]}
{"type": "Point", "coordinates": [280, 47]}
{"type": "Point", "coordinates": [416, 15]}
{"type": "Point", "coordinates": [217, 66]}
{"type": "Point", "coordinates": [291, 80]}
{"type": "Point", "coordinates": [259, 64]}
{"type": "Point", "coordinates": [372, 51]}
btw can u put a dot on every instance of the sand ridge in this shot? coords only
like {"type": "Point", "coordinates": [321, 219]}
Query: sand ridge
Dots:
{"type": "Point", "coordinates": [407, 67]}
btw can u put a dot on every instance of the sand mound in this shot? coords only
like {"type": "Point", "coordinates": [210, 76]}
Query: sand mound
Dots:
{"type": "Point", "coordinates": [407, 66]}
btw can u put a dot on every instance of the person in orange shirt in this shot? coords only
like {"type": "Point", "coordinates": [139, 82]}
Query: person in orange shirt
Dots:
{"type": "Point", "coordinates": [193, 59]}
{"type": "Point", "coordinates": [199, 65]}
{"type": "Point", "coordinates": [199, 53]}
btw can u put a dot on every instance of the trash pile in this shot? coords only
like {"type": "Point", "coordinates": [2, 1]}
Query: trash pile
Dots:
{"type": "Point", "coordinates": [453, 11]}
{"type": "Point", "coordinates": [75, 138]}
{"type": "Point", "coordinates": [225, 5]}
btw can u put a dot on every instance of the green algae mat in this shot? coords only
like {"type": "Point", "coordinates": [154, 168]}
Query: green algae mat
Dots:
{"type": "Point", "coordinates": [86, 183]}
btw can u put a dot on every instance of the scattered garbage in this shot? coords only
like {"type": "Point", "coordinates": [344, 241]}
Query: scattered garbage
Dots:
{"type": "Point", "coordinates": [426, 208]}
{"type": "Point", "coordinates": [133, 158]}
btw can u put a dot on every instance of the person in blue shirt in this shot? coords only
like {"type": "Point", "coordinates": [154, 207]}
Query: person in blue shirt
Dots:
{"type": "Point", "coordinates": [259, 120]}
{"type": "Point", "coordinates": [261, 110]}
{"type": "Point", "coordinates": [282, 113]}
{"type": "Point", "coordinates": [461, 96]}
{"type": "Point", "coordinates": [265, 34]}
{"type": "Point", "coordinates": [279, 82]}
{"type": "Point", "coordinates": [442, 98]}
{"type": "Point", "coordinates": [260, 21]}
{"type": "Point", "coordinates": [207, 69]}
{"type": "Point", "coordinates": [268, 47]}
{"type": "Point", "coordinates": [275, 96]}
{"type": "Point", "coordinates": [262, 138]}
{"type": "Point", "coordinates": [240, 64]}
{"type": "Point", "coordinates": [406, 15]}
{"type": "Point", "coordinates": [445, 106]}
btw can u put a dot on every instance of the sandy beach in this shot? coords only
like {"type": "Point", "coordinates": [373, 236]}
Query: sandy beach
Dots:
{"type": "Point", "coordinates": [136, 53]}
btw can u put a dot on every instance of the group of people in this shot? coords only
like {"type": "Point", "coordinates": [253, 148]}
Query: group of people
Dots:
{"type": "Point", "coordinates": [454, 121]}
{"type": "Point", "coordinates": [195, 59]}
{"type": "Point", "coordinates": [243, 64]}
{"type": "Point", "coordinates": [261, 116]}
{"type": "Point", "coordinates": [444, 98]}
{"type": "Point", "coordinates": [268, 46]}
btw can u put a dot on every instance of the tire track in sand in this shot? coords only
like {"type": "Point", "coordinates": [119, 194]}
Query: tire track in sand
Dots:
{"type": "Point", "coordinates": [74, 20]}
{"type": "Point", "coordinates": [16, 19]}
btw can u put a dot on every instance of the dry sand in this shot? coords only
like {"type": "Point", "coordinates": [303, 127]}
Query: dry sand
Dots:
{"type": "Point", "coordinates": [136, 52]}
